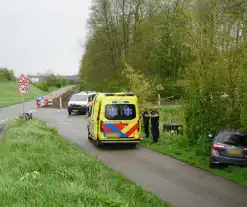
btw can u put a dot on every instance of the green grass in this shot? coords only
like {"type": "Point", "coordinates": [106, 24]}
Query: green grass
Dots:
{"type": "Point", "coordinates": [173, 114]}
{"type": "Point", "coordinates": [10, 96]}
{"type": "Point", "coordinates": [38, 168]}
{"type": "Point", "coordinates": [197, 155]}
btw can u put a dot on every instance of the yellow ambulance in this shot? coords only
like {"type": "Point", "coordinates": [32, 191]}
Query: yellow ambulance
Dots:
{"type": "Point", "coordinates": [114, 118]}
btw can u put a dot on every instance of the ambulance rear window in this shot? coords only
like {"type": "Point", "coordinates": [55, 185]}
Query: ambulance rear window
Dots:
{"type": "Point", "coordinates": [120, 111]}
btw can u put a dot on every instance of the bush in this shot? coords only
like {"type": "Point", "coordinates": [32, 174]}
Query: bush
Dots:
{"type": "Point", "coordinates": [6, 75]}
{"type": "Point", "coordinates": [58, 85]}
{"type": "Point", "coordinates": [172, 90]}
{"type": "Point", "coordinates": [140, 85]}
{"type": "Point", "coordinates": [42, 86]}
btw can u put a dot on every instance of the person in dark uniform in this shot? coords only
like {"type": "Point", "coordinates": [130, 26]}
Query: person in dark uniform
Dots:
{"type": "Point", "coordinates": [154, 117]}
{"type": "Point", "coordinates": [146, 118]}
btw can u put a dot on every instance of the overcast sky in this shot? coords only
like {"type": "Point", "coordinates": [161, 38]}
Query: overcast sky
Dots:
{"type": "Point", "coordinates": [36, 35]}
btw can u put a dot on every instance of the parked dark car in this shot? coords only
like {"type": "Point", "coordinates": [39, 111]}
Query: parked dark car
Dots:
{"type": "Point", "coordinates": [229, 147]}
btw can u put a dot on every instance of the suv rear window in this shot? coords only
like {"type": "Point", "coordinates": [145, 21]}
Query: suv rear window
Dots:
{"type": "Point", "coordinates": [233, 139]}
{"type": "Point", "coordinates": [120, 111]}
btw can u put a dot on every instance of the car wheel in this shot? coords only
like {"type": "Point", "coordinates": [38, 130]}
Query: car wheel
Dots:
{"type": "Point", "coordinates": [211, 163]}
{"type": "Point", "coordinates": [69, 113]}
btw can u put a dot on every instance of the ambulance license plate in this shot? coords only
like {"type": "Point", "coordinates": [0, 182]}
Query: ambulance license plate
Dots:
{"type": "Point", "coordinates": [112, 135]}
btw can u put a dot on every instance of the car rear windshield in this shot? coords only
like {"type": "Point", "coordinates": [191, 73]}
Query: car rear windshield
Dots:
{"type": "Point", "coordinates": [120, 111]}
{"type": "Point", "coordinates": [233, 139]}
{"type": "Point", "coordinates": [78, 97]}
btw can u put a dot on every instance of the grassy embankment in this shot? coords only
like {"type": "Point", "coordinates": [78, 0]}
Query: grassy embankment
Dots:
{"type": "Point", "coordinates": [198, 155]}
{"type": "Point", "coordinates": [38, 168]}
{"type": "Point", "coordinates": [10, 96]}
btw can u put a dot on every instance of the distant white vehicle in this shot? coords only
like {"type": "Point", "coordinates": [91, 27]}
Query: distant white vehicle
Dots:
{"type": "Point", "coordinates": [79, 103]}
{"type": "Point", "coordinates": [89, 92]}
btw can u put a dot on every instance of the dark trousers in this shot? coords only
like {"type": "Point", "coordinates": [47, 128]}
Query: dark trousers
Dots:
{"type": "Point", "coordinates": [155, 133]}
{"type": "Point", "coordinates": [146, 129]}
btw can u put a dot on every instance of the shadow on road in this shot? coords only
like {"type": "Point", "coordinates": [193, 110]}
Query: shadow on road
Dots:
{"type": "Point", "coordinates": [113, 147]}
{"type": "Point", "coordinates": [116, 147]}
{"type": "Point", "coordinates": [225, 166]}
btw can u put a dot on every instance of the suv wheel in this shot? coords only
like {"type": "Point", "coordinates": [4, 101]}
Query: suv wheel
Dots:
{"type": "Point", "coordinates": [211, 163]}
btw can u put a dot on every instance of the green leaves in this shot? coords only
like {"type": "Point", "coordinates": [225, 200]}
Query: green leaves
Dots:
{"type": "Point", "coordinates": [190, 49]}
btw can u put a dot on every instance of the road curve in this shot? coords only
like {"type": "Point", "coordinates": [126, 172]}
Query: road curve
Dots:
{"type": "Point", "coordinates": [173, 181]}
{"type": "Point", "coordinates": [13, 111]}
{"type": "Point", "coordinates": [9, 113]}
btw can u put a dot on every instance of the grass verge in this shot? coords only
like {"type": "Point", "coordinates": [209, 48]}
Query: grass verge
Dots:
{"type": "Point", "coordinates": [38, 168]}
{"type": "Point", "coordinates": [198, 155]}
{"type": "Point", "coordinates": [10, 96]}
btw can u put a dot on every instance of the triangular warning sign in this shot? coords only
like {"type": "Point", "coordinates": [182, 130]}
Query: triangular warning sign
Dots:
{"type": "Point", "coordinates": [23, 79]}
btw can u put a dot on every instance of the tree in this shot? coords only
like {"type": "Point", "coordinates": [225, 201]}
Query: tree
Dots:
{"type": "Point", "coordinates": [195, 49]}
{"type": "Point", "coordinates": [64, 81]}
{"type": "Point", "coordinates": [217, 68]}
{"type": "Point", "coordinates": [7, 74]}
{"type": "Point", "coordinates": [139, 85]}
{"type": "Point", "coordinates": [51, 80]}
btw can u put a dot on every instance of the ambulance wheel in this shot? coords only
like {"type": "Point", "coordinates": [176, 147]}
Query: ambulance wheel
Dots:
{"type": "Point", "coordinates": [88, 135]}
{"type": "Point", "coordinates": [97, 143]}
{"type": "Point", "coordinates": [133, 146]}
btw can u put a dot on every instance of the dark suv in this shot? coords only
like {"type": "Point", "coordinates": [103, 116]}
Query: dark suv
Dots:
{"type": "Point", "coordinates": [229, 148]}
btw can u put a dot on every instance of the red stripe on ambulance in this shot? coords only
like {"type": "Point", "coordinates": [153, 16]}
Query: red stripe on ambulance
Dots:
{"type": "Point", "coordinates": [119, 126]}
{"type": "Point", "coordinates": [106, 128]}
{"type": "Point", "coordinates": [132, 130]}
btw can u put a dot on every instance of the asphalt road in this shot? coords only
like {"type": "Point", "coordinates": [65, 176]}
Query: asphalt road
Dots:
{"type": "Point", "coordinates": [173, 181]}
{"type": "Point", "coordinates": [9, 113]}
{"type": "Point", "coordinates": [13, 111]}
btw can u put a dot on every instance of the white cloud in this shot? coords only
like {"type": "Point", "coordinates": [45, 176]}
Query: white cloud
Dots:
{"type": "Point", "coordinates": [40, 34]}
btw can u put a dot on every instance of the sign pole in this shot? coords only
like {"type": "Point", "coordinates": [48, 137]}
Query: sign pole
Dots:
{"type": "Point", "coordinates": [23, 105]}
{"type": "Point", "coordinates": [23, 89]}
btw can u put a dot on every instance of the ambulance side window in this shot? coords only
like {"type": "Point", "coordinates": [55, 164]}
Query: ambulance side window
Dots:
{"type": "Point", "coordinates": [93, 96]}
{"type": "Point", "coordinates": [98, 117]}
{"type": "Point", "coordinates": [90, 98]}
{"type": "Point", "coordinates": [93, 108]}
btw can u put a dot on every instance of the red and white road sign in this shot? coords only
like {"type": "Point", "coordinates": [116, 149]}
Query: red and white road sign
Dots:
{"type": "Point", "coordinates": [22, 89]}
{"type": "Point", "coordinates": [23, 79]}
